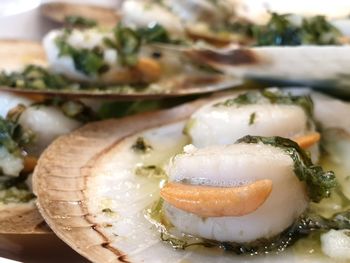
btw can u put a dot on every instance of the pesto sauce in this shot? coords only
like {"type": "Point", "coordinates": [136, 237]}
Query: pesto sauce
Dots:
{"type": "Point", "coordinates": [88, 61]}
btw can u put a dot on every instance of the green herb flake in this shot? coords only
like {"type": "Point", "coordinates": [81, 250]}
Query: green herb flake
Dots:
{"type": "Point", "coordinates": [317, 30]}
{"type": "Point", "coordinates": [252, 118]}
{"type": "Point", "coordinates": [154, 33]}
{"type": "Point", "coordinates": [141, 146]}
{"type": "Point", "coordinates": [108, 212]}
{"type": "Point", "coordinates": [88, 61]}
{"type": "Point", "coordinates": [150, 171]}
{"type": "Point", "coordinates": [79, 21]}
{"type": "Point", "coordinates": [13, 136]}
{"type": "Point", "coordinates": [319, 183]}
{"type": "Point", "coordinates": [15, 195]}
{"type": "Point", "coordinates": [127, 43]}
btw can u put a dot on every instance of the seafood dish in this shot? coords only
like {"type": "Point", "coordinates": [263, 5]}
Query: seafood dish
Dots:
{"type": "Point", "coordinates": [179, 131]}
{"type": "Point", "coordinates": [172, 182]}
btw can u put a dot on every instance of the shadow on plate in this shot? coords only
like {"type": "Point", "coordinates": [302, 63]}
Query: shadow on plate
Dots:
{"type": "Point", "coordinates": [37, 248]}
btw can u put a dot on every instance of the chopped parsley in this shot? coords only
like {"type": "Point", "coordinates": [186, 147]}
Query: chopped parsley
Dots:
{"type": "Point", "coordinates": [15, 195]}
{"type": "Point", "coordinates": [124, 40]}
{"type": "Point", "coordinates": [13, 136]}
{"type": "Point", "coordinates": [141, 146]}
{"type": "Point", "coordinates": [151, 171]}
{"type": "Point", "coordinates": [79, 21]}
{"type": "Point", "coordinates": [156, 33]}
{"type": "Point", "coordinates": [127, 43]}
{"type": "Point", "coordinates": [281, 31]}
{"type": "Point", "coordinates": [317, 30]}
{"type": "Point", "coordinates": [318, 182]}
{"type": "Point", "coordinates": [88, 61]}
{"type": "Point", "coordinates": [252, 118]}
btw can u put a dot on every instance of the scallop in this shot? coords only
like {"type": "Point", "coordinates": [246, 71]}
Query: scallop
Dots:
{"type": "Point", "coordinates": [47, 123]}
{"type": "Point", "coordinates": [10, 164]}
{"type": "Point", "coordinates": [215, 124]}
{"type": "Point", "coordinates": [87, 39]}
{"type": "Point", "coordinates": [147, 68]}
{"type": "Point", "coordinates": [237, 165]}
{"type": "Point", "coordinates": [9, 101]}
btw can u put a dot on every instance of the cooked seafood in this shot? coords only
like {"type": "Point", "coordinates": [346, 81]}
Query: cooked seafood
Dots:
{"type": "Point", "coordinates": [120, 165]}
{"type": "Point", "coordinates": [117, 62]}
{"type": "Point", "coordinates": [235, 166]}
{"type": "Point", "coordinates": [264, 113]}
{"type": "Point", "coordinates": [83, 55]}
{"type": "Point", "coordinates": [23, 138]}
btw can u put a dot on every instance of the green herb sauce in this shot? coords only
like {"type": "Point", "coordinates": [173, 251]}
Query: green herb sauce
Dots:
{"type": "Point", "coordinates": [319, 183]}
